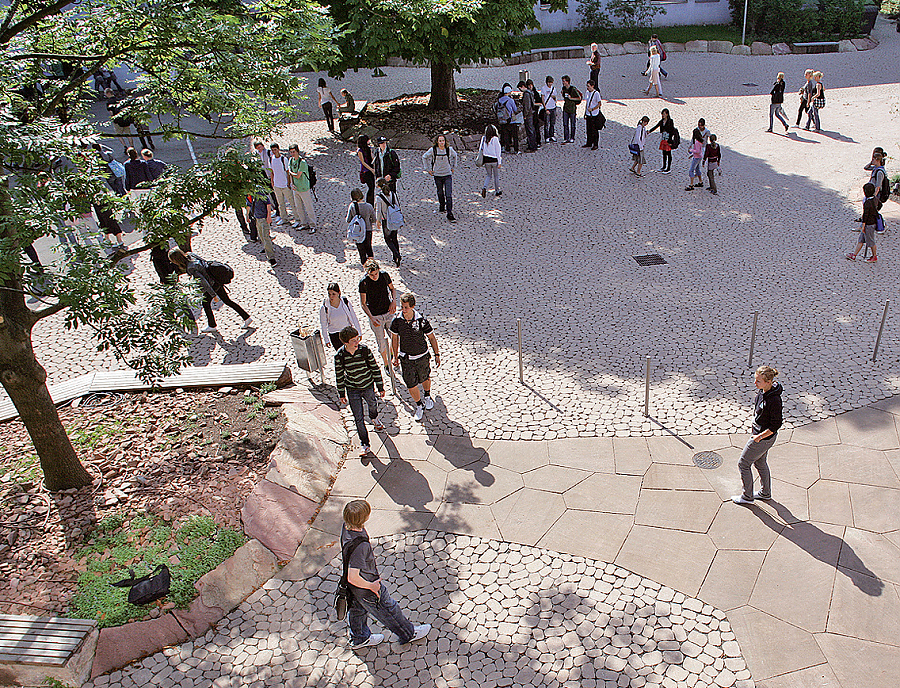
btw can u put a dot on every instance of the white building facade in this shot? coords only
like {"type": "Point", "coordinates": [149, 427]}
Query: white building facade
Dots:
{"type": "Point", "coordinates": [677, 13]}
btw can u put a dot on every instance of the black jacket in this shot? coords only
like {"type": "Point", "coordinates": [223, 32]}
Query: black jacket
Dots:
{"type": "Point", "coordinates": [778, 93]}
{"type": "Point", "coordinates": [391, 164]}
{"type": "Point", "coordinates": [767, 409]}
{"type": "Point", "coordinates": [667, 126]}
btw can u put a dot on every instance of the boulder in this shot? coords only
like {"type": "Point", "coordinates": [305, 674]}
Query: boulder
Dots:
{"type": "Point", "coordinates": [455, 141]}
{"type": "Point", "coordinates": [121, 645]}
{"type": "Point", "coordinates": [300, 464]}
{"type": "Point", "coordinates": [412, 140]}
{"type": "Point", "coordinates": [696, 47]}
{"type": "Point", "coordinates": [864, 43]}
{"type": "Point", "coordinates": [227, 585]}
{"type": "Point", "coordinates": [496, 62]}
{"type": "Point", "coordinates": [471, 141]}
{"type": "Point", "coordinates": [674, 47]}
{"type": "Point", "coordinates": [601, 48]}
{"type": "Point", "coordinates": [760, 48]}
{"type": "Point", "coordinates": [613, 49]}
{"type": "Point", "coordinates": [740, 50]}
{"type": "Point", "coordinates": [324, 422]}
{"type": "Point", "coordinates": [720, 47]}
{"type": "Point", "coordinates": [781, 49]}
{"type": "Point", "coordinates": [277, 517]}
{"type": "Point", "coordinates": [634, 47]}
{"type": "Point", "coordinates": [846, 47]}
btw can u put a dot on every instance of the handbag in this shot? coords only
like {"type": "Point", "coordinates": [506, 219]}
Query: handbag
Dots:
{"type": "Point", "coordinates": [343, 594]}
{"type": "Point", "coordinates": [819, 102]}
{"type": "Point", "coordinates": [479, 159]}
{"type": "Point", "coordinates": [149, 588]}
{"type": "Point", "coordinates": [634, 149]}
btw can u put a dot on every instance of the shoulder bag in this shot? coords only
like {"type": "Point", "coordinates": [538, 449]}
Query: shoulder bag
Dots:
{"type": "Point", "coordinates": [479, 159]}
{"type": "Point", "coordinates": [343, 594]}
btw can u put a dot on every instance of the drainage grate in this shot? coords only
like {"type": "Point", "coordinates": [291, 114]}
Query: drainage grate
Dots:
{"type": "Point", "coordinates": [650, 259]}
{"type": "Point", "coordinates": [707, 459]}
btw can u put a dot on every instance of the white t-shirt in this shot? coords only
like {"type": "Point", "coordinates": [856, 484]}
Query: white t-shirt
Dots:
{"type": "Point", "coordinates": [325, 94]}
{"type": "Point", "coordinates": [279, 172]}
{"type": "Point", "coordinates": [550, 102]}
{"type": "Point", "coordinates": [591, 100]}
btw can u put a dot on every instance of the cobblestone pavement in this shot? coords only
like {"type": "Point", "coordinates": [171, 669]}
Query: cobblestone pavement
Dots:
{"type": "Point", "coordinates": [556, 250]}
{"type": "Point", "coordinates": [502, 614]}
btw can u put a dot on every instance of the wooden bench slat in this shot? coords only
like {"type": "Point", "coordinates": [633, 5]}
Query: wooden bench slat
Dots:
{"type": "Point", "coordinates": [68, 637]}
{"type": "Point", "coordinates": [57, 660]}
{"type": "Point", "coordinates": [7, 619]}
{"type": "Point", "coordinates": [35, 648]}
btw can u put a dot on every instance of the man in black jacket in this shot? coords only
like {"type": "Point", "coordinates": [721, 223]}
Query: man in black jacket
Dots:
{"type": "Point", "coordinates": [387, 163]}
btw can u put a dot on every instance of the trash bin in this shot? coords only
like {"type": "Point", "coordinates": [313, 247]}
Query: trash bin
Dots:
{"type": "Point", "coordinates": [523, 75]}
{"type": "Point", "coordinates": [309, 350]}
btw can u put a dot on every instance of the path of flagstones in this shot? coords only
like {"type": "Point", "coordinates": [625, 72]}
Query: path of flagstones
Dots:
{"type": "Point", "coordinates": [597, 554]}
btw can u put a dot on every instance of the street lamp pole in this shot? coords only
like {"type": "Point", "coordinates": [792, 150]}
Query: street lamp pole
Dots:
{"type": "Point", "coordinates": [744, 32]}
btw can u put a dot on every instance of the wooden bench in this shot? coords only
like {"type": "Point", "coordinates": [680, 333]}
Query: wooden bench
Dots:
{"type": "Point", "coordinates": [33, 648]}
{"type": "Point", "coordinates": [815, 47]}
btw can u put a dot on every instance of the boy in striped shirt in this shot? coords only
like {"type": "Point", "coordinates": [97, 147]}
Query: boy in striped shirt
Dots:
{"type": "Point", "coordinates": [358, 375]}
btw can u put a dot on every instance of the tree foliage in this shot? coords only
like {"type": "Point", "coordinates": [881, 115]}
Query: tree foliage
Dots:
{"type": "Point", "coordinates": [227, 61]}
{"type": "Point", "coordinates": [784, 20]}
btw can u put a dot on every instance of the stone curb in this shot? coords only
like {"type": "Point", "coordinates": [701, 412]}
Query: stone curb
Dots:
{"type": "Point", "coordinates": [634, 47]}
{"type": "Point", "coordinates": [277, 516]}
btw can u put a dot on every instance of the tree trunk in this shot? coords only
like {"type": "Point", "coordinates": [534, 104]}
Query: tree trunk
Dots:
{"type": "Point", "coordinates": [443, 87]}
{"type": "Point", "coordinates": [26, 383]}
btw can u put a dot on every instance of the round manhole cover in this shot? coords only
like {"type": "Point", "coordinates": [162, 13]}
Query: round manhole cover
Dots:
{"type": "Point", "coordinates": [707, 459]}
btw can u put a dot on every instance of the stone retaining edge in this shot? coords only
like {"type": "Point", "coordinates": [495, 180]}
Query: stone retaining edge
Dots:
{"type": "Point", "coordinates": [312, 431]}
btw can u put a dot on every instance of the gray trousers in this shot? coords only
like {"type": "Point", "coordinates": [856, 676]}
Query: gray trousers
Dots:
{"type": "Point", "coordinates": [755, 454]}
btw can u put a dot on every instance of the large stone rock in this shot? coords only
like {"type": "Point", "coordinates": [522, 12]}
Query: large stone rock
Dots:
{"type": "Point", "coordinates": [227, 585]}
{"type": "Point", "coordinates": [314, 553]}
{"type": "Point", "coordinates": [614, 49]}
{"type": "Point", "coordinates": [322, 421]}
{"type": "Point", "coordinates": [740, 50]}
{"type": "Point", "coordinates": [412, 140]}
{"type": "Point", "coordinates": [720, 47]}
{"type": "Point", "coordinates": [760, 48]}
{"type": "Point", "coordinates": [674, 47]}
{"type": "Point", "coordinates": [781, 49]}
{"type": "Point", "coordinates": [302, 464]}
{"type": "Point", "coordinates": [277, 517]}
{"type": "Point", "coordinates": [846, 46]}
{"type": "Point", "coordinates": [198, 618]}
{"type": "Point", "coordinates": [696, 46]}
{"type": "Point", "coordinates": [121, 645]}
{"type": "Point", "coordinates": [634, 47]}
{"type": "Point", "coordinates": [471, 141]}
{"type": "Point", "coordinates": [601, 48]}
{"type": "Point", "coordinates": [864, 43]}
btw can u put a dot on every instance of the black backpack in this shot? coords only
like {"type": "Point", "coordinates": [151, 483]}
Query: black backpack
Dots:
{"type": "Point", "coordinates": [220, 272]}
{"type": "Point", "coordinates": [674, 139]}
{"type": "Point", "coordinates": [884, 192]}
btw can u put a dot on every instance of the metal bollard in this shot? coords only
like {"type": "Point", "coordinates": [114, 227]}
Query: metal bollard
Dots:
{"type": "Point", "coordinates": [753, 339]}
{"type": "Point", "coordinates": [521, 369]}
{"type": "Point", "coordinates": [647, 389]}
{"type": "Point", "coordinates": [881, 329]}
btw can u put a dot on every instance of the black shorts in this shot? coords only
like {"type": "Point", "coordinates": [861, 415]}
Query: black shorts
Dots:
{"type": "Point", "coordinates": [415, 371]}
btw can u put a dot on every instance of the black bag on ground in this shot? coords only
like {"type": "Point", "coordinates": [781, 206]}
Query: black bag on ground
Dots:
{"type": "Point", "coordinates": [343, 594]}
{"type": "Point", "coordinates": [220, 272]}
{"type": "Point", "coordinates": [149, 588]}
{"type": "Point", "coordinates": [674, 139]}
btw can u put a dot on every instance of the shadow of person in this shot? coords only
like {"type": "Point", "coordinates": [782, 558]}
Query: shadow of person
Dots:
{"type": "Point", "coordinates": [827, 548]}
{"type": "Point", "coordinates": [404, 484]}
{"type": "Point", "coordinates": [453, 442]}
{"type": "Point", "coordinates": [240, 350]}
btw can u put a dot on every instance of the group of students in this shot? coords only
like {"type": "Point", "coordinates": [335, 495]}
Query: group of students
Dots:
{"type": "Point", "coordinates": [876, 191]}
{"type": "Point", "coordinates": [812, 100]}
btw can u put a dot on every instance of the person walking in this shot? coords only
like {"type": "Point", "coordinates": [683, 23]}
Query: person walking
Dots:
{"type": "Point", "coordinates": [868, 224]}
{"type": "Point", "coordinates": [531, 144]}
{"type": "Point", "coordinates": [369, 596]}
{"type": "Point", "coordinates": [156, 167]}
{"type": "Point", "coordinates": [327, 102]}
{"type": "Point", "coordinates": [667, 135]}
{"type": "Point", "coordinates": [492, 159]}
{"type": "Point", "coordinates": [592, 115]}
{"type": "Point", "coordinates": [549, 95]}
{"type": "Point", "coordinates": [281, 185]}
{"type": "Point", "coordinates": [366, 211]}
{"type": "Point", "coordinates": [198, 268]}
{"type": "Point", "coordinates": [358, 375]}
{"type": "Point", "coordinates": [263, 154]}
{"type": "Point", "coordinates": [654, 42]}
{"type": "Point", "coordinates": [301, 196]}
{"type": "Point", "coordinates": [259, 209]}
{"type": "Point", "coordinates": [776, 108]}
{"type": "Point", "coordinates": [571, 98]}
{"type": "Point", "coordinates": [410, 335]}
{"type": "Point", "coordinates": [122, 123]}
{"type": "Point", "coordinates": [387, 163]}
{"type": "Point", "coordinates": [366, 167]}
{"type": "Point", "coordinates": [712, 156]}
{"type": "Point", "coordinates": [594, 64]}
{"type": "Point", "coordinates": [767, 419]}
{"type": "Point", "coordinates": [378, 301]}
{"type": "Point", "coordinates": [654, 72]}
{"type": "Point", "coordinates": [816, 102]}
{"type": "Point", "coordinates": [439, 161]}
{"type": "Point", "coordinates": [136, 174]}
{"type": "Point", "coordinates": [384, 202]}
{"type": "Point", "coordinates": [696, 154]}
{"type": "Point", "coordinates": [335, 314]}
{"type": "Point", "coordinates": [638, 141]}
{"type": "Point", "coordinates": [804, 93]}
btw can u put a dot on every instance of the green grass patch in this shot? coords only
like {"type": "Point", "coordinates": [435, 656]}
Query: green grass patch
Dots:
{"type": "Point", "coordinates": [667, 34]}
{"type": "Point", "coordinates": [90, 437]}
{"type": "Point", "coordinates": [22, 469]}
{"type": "Point", "coordinates": [194, 548]}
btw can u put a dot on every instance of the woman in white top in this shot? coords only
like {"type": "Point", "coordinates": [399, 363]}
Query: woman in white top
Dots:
{"type": "Point", "coordinates": [549, 94]}
{"type": "Point", "coordinates": [637, 144]}
{"type": "Point", "coordinates": [335, 314]}
{"type": "Point", "coordinates": [326, 98]}
{"type": "Point", "coordinates": [490, 151]}
{"type": "Point", "coordinates": [655, 61]}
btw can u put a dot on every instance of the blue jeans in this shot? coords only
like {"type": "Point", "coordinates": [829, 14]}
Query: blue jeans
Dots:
{"type": "Point", "coordinates": [569, 119]}
{"type": "Point", "coordinates": [813, 117]}
{"type": "Point", "coordinates": [550, 124]}
{"type": "Point", "coordinates": [355, 398]}
{"type": "Point", "coordinates": [775, 110]}
{"type": "Point", "coordinates": [445, 192]}
{"type": "Point", "coordinates": [383, 608]}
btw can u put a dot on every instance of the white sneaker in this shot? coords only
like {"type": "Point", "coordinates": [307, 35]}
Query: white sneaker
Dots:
{"type": "Point", "coordinates": [364, 450]}
{"type": "Point", "coordinates": [371, 641]}
{"type": "Point", "coordinates": [248, 322]}
{"type": "Point", "coordinates": [419, 412]}
{"type": "Point", "coordinates": [420, 632]}
{"type": "Point", "coordinates": [377, 424]}
{"type": "Point", "coordinates": [429, 403]}
{"type": "Point", "coordinates": [740, 499]}
{"type": "Point", "coordinates": [209, 328]}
